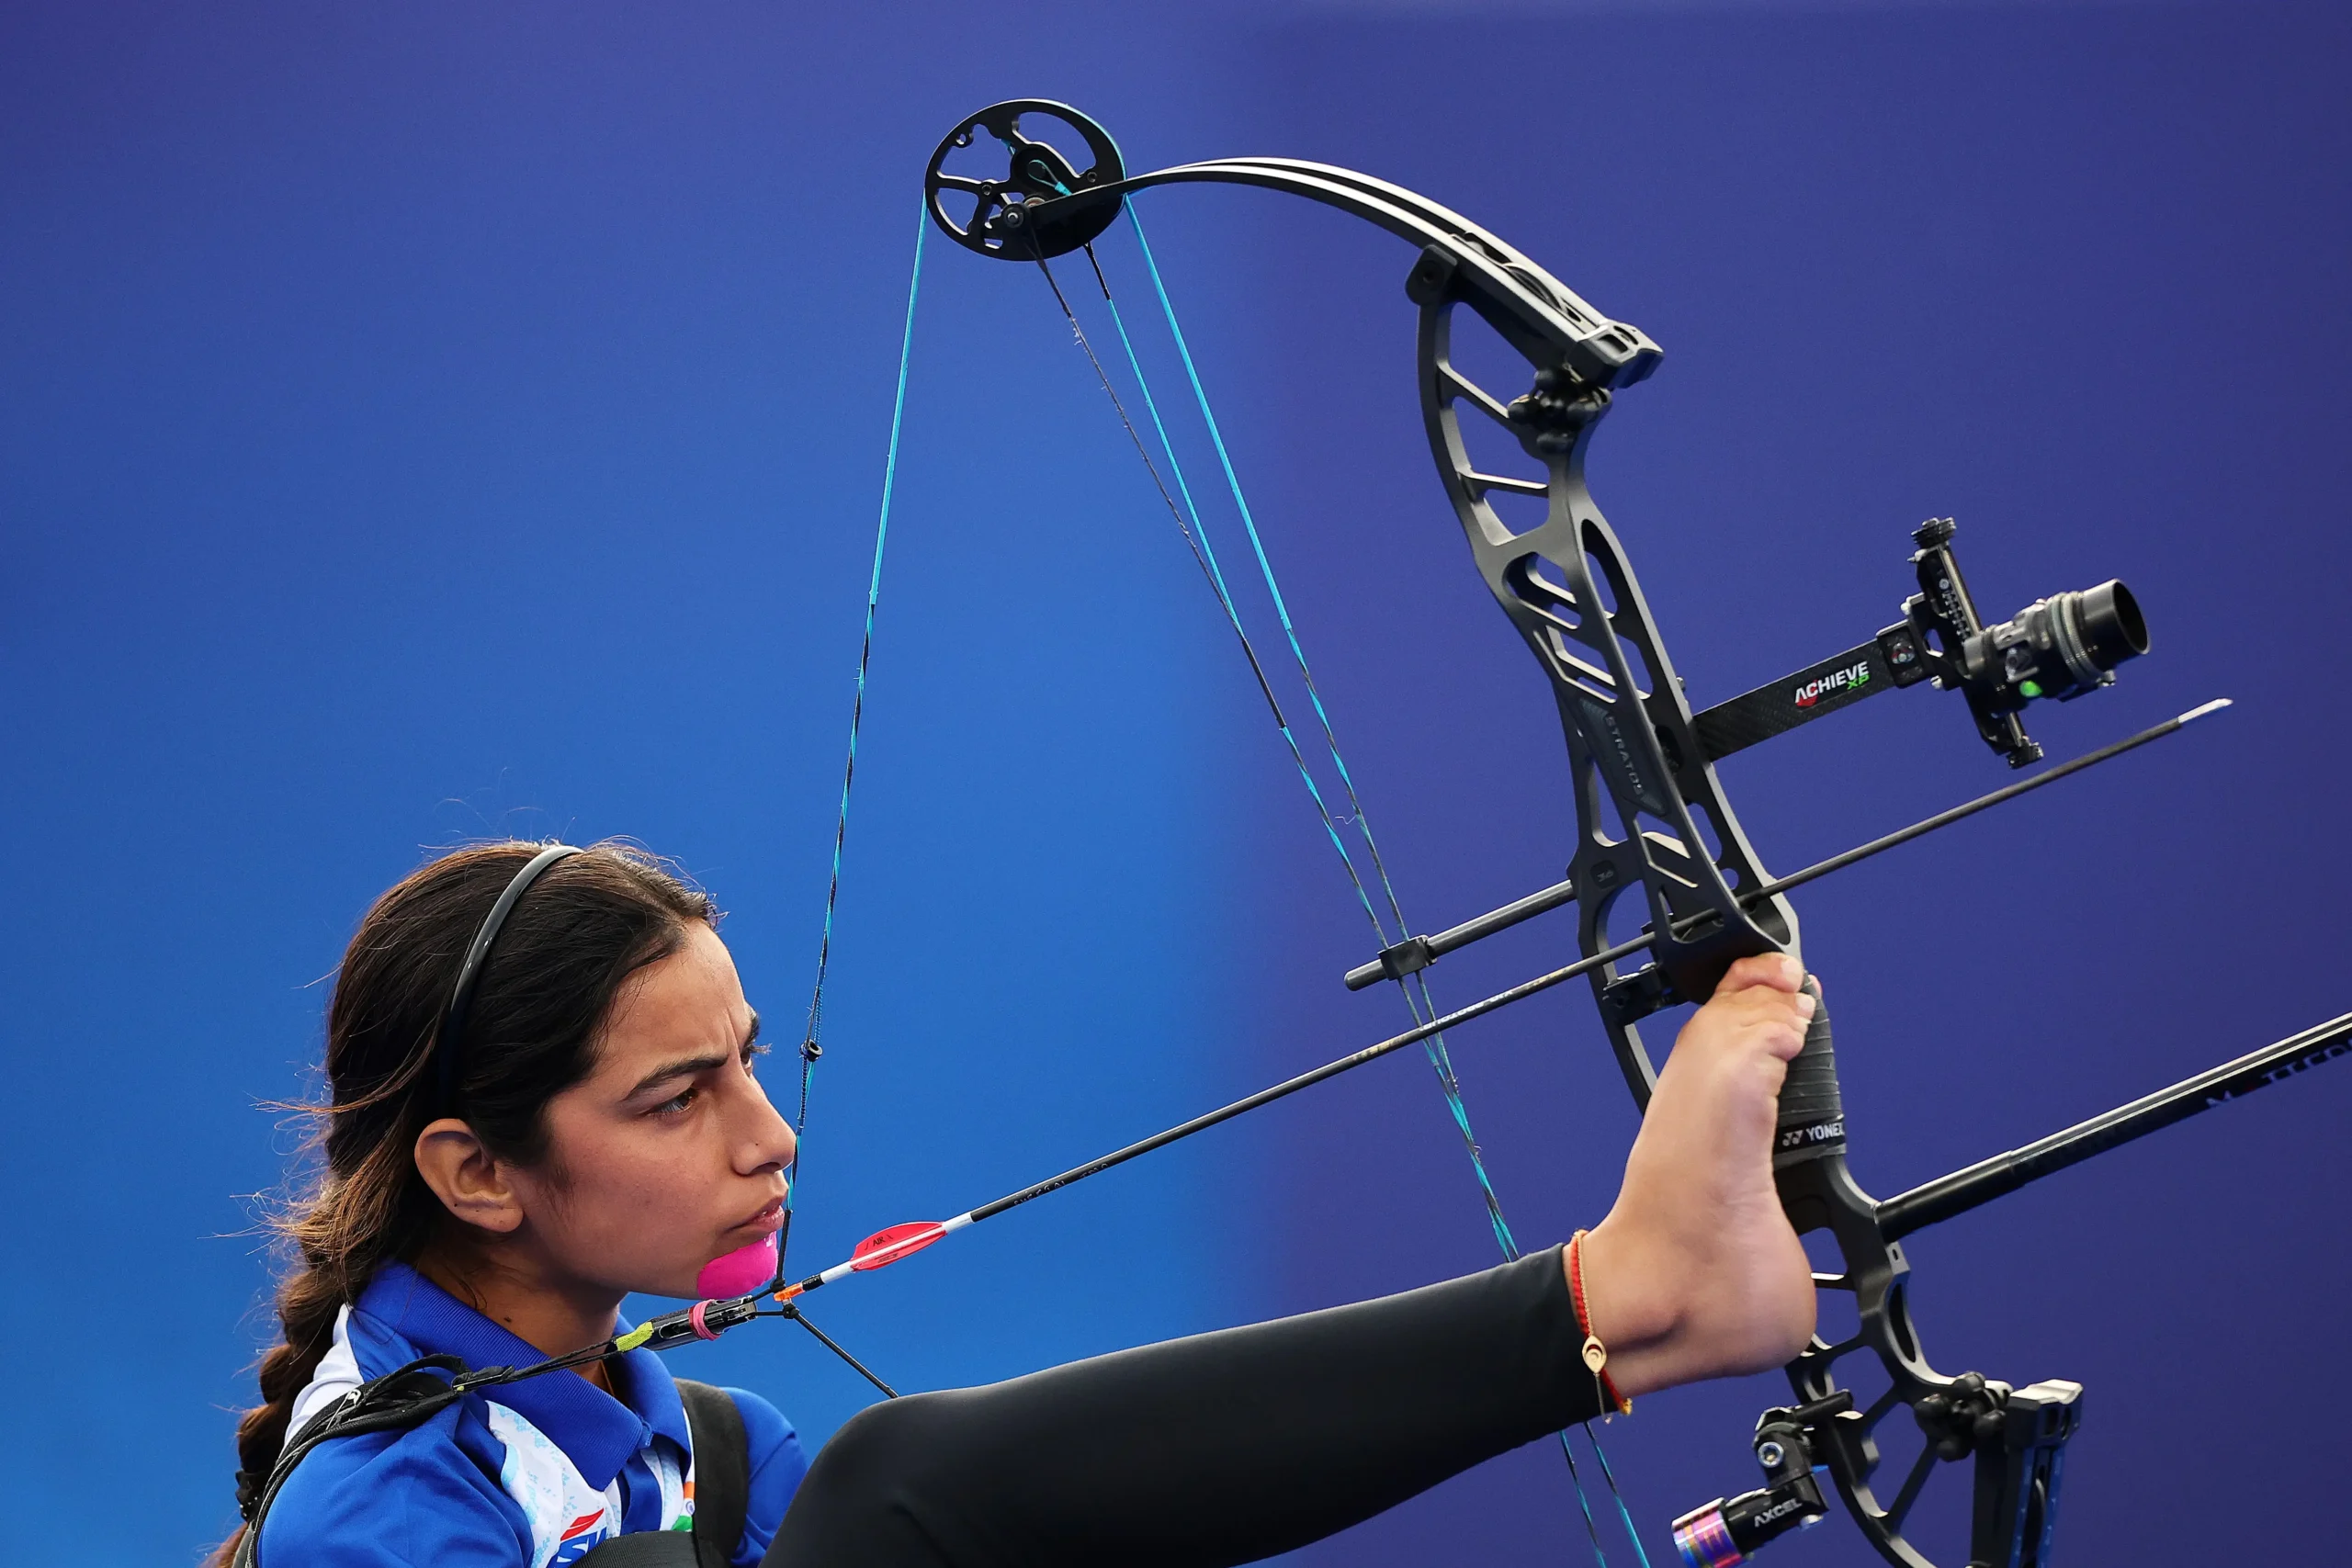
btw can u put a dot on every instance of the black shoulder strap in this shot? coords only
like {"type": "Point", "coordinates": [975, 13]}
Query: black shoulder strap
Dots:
{"type": "Point", "coordinates": [404, 1398]}
{"type": "Point", "coordinates": [399, 1399]}
{"type": "Point", "coordinates": [722, 1493]}
{"type": "Point", "coordinates": [722, 1471]}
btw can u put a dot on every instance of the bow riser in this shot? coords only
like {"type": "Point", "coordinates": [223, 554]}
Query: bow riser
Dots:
{"type": "Point", "coordinates": [1642, 786]}
{"type": "Point", "coordinates": [1631, 746]}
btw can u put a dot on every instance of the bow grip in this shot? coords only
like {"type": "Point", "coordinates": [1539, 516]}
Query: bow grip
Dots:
{"type": "Point", "coordinates": [1813, 1115]}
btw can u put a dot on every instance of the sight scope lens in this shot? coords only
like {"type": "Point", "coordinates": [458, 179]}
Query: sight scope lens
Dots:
{"type": "Point", "coordinates": [2060, 648]}
{"type": "Point", "coordinates": [2113, 629]}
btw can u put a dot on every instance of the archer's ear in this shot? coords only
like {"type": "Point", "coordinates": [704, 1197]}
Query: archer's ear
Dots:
{"type": "Point", "coordinates": [470, 1183]}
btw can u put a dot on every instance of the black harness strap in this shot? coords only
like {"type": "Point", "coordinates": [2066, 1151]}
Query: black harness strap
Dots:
{"type": "Point", "coordinates": [722, 1493]}
{"type": "Point", "coordinates": [414, 1392]}
{"type": "Point", "coordinates": [399, 1399]}
{"type": "Point", "coordinates": [722, 1470]}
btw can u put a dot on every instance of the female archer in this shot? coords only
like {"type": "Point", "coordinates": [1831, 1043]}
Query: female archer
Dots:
{"type": "Point", "coordinates": [542, 1098]}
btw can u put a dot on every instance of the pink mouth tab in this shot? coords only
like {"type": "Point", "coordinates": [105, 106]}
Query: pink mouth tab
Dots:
{"type": "Point", "coordinates": [739, 1272]}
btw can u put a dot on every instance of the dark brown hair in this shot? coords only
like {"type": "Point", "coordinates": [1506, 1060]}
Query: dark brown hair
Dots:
{"type": "Point", "coordinates": [567, 948]}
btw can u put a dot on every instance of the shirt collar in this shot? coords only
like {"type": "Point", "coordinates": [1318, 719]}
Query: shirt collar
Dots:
{"type": "Point", "coordinates": [597, 1431]}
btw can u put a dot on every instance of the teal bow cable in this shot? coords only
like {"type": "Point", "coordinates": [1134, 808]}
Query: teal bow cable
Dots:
{"type": "Point", "coordinates": [1415, 988]}
{"type": "Point", "coordinates": [1203, 550]}
{"type": "Point", "coordinates": [811, 1042]}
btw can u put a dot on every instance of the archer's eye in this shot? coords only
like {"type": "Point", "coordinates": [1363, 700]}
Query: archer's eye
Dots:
{"type": "Point", "coordinates": [678, 1105]}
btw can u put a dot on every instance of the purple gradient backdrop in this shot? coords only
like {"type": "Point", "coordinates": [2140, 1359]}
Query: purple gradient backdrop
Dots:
{"type": "Point", "coordinates": [416, 427]}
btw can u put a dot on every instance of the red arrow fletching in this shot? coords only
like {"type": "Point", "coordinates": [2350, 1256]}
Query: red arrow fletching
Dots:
{"type": "Point", "coordinates": [886, 1247]}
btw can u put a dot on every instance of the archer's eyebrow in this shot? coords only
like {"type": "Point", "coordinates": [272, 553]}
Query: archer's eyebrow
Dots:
{"type": "Point", "coordinates": [686, 1067]}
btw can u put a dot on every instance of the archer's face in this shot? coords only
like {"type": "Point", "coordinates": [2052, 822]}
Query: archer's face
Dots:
{"type": "Point", "coordinates": [669, 1155]}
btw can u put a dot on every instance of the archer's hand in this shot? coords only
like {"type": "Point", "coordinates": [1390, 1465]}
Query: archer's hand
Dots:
{"type": "Point", "coordinates": [1696, 1272]}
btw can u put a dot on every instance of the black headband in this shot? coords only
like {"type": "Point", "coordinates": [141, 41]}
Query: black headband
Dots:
{"type": "Point", "coordinates": [453, 1018]}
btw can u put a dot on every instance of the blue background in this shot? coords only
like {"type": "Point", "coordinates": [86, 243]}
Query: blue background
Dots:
{"type": "Point", "coordinates": [470, 422]}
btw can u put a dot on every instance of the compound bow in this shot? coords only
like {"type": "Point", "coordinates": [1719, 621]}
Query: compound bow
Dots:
{"type": "Point", "coordinates": [1651, 820]}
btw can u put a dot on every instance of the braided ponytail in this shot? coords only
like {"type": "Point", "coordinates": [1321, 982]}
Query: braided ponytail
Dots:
{"type": "Point", "coordinates": [592, 920]}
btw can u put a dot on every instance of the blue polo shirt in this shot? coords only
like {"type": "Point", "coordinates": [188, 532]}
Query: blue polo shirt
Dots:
{"type": "Point", "coordinates": [430, 1496]}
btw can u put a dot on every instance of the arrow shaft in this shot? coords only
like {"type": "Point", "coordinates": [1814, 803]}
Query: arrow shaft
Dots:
{"type": "Point", "coordinates": [886, 1255]}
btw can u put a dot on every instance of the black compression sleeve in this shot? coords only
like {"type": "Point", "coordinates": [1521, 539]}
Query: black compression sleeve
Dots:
{"type": "Point", "coordinates": [1220, 1448]}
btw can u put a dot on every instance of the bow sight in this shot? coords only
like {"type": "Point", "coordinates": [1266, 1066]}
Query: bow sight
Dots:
{"type": "Point", "coordinates": [2062, 646]}
{"type": "Point", "coordinates": [1652, 821]}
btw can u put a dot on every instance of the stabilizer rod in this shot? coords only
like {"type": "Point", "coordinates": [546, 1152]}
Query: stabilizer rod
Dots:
{"type": "Point", "coordinates": [1986, 1179]}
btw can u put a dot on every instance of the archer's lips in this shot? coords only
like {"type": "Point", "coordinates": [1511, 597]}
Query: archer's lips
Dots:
{"type": "Point", "coordinates": [768, 1219]}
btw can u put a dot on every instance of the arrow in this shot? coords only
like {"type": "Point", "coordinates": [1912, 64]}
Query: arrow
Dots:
{"type": "Point", "coordinates": [885, 1247]}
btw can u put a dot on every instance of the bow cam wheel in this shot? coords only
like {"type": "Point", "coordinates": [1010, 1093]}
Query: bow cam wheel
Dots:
{"type": "Point", "coordinates": [990, 212]}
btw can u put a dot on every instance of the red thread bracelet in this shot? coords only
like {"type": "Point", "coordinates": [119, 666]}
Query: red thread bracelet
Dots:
{"type": "Point", "coordinates": [1596, 1354]}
